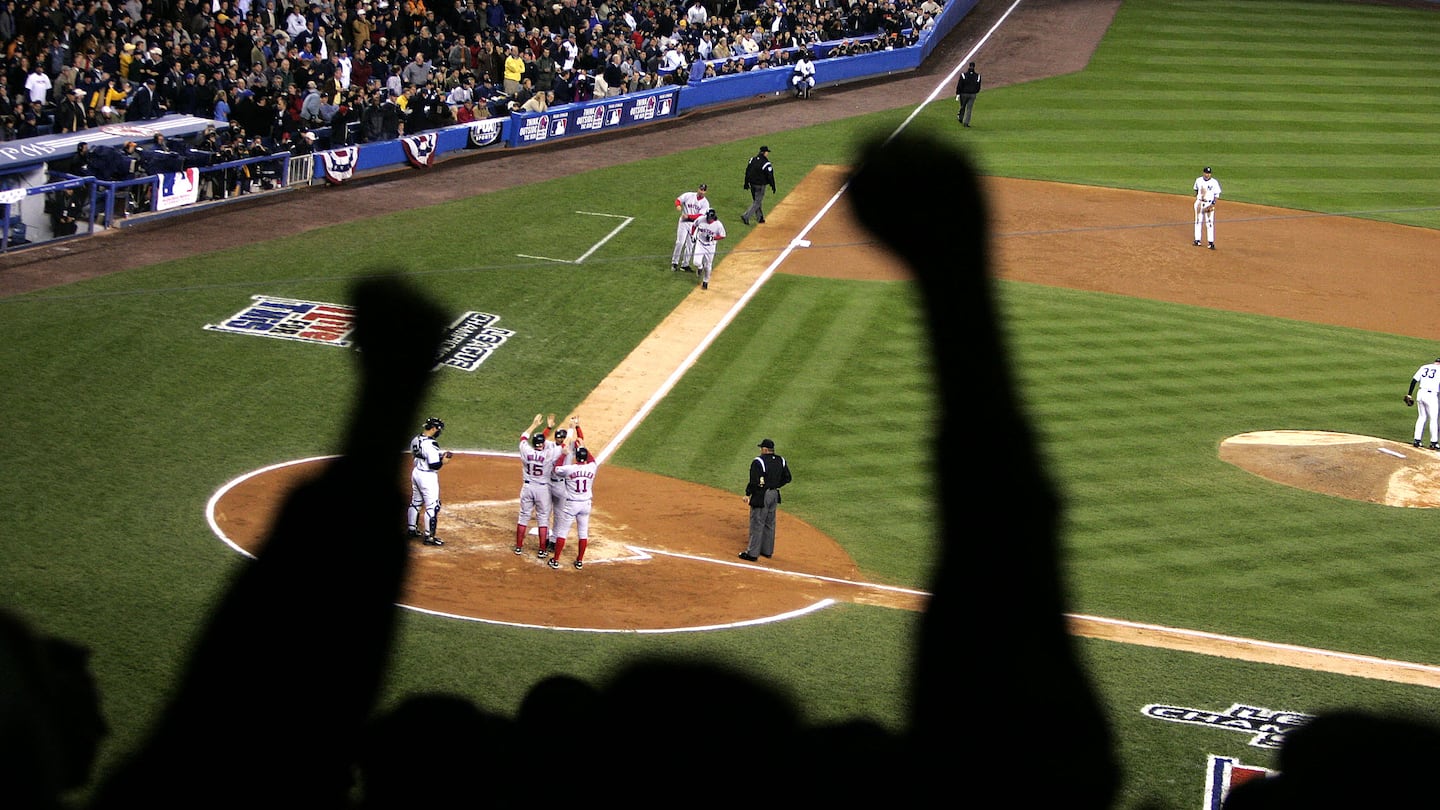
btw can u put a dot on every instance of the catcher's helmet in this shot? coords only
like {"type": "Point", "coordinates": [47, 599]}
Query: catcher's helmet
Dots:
{"type": "Point", "coordinates": [537, 440]}
{"type": "Point", "coordinates": [432, 422]}
{"type": "Point", "coordinates": [582, 455]}
{"type": "Point", "coordinates": [712, 215]}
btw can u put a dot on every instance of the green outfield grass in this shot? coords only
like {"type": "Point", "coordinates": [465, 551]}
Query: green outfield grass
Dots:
{"type": "Point", "coordinates": [124, 415]}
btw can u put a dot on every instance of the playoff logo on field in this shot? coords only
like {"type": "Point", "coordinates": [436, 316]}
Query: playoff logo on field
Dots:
{"type": "Point", "coordinates": [1266, 727]}
{"type": "Point", "coordinates": [471, 340]}
{"type": "Point", "coordinates": [468, 342]}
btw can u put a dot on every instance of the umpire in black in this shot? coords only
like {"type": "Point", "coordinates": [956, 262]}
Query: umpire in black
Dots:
{"type": "Point", "coordinates": [759, 173]}
{"type": "Point", "coordinates": [768, 473]}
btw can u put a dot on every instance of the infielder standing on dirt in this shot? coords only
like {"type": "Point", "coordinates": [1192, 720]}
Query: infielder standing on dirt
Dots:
{"type": "Point", "coordinates": [708, 233]}
{"type": "Point", "coordinates": [537, 460]}
{"type": "Point", "coordinates": [1207, 193]}
{"type": "Point", "coordinates": [579, 478]}
{"type": "Point", "coordinates": [692, 205]}
{"type": "Point", "coordinates": [1427, 381]}
{"type": "Point", "coordinates": [424, 510]}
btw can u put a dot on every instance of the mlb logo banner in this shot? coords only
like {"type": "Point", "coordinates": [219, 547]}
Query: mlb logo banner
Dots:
{"type": "Point", "coordinates": [1222, 774]}
{"type": "Point", "coordinates": [420, 149]}
{"type": "Point", "coordinates": [339, 164]}
{"type": "Point", "coordinates": [178, 189]}
{"type": "Point", "coordinates": [292, 319]}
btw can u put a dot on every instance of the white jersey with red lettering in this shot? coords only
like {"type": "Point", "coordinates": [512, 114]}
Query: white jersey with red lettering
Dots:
{"type": "Point", "coordinates": [579, 498]}
{"type": "Point", "coordinates": [536, 465]}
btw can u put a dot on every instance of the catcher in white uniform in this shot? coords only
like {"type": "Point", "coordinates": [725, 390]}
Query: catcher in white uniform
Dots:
{"type": "Point", "coordinates": [579, 478]}
{"type": "Point", "coordinates": [1207, 193]}
{"type": "Point", "coordinates": [1427, 381]}
{"type": "Point", "coordinates": [537, 460]}
{"type": "Point", "coordinates": [692, 205]}
{"type": "Point", "coordinates": [708, 233]}
{"type": "Point", "coordinates": [424, 510]}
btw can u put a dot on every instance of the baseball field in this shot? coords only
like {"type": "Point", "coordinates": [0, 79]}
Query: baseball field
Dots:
{"type": "Point", "coordinates": [1140, 360]}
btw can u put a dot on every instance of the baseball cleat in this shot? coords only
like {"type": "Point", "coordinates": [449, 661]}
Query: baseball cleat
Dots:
{"type": "Point", "coordinates": [675, 267]}
{"type": "Point", "coordinates": [747, 557]}
{"type": "Point", "coordinates": [1434, 446]}
{"type": "Point", "coordinates": [1197, 243]}
{"type": "Point", "coordinates": [553, 563]}
{"type": "Point", "coordinates": [1212, 245]}
{"type": "Point", "coordinates": [744, 219]}
{"type": "Point", "coordinates": [542, 554]}
{"type": "Point", "coordinates": [704, 285]}
{"type": "Point", "coordinates": [579, 563]}
{"type": "Point", "coordinates": [760, 220]}
{"type": "Point", "coordinates": [432, 540]}
{"type": "Point", "coordinates": [519, 550]}
{"type": "Point", "coordinates": [1417, 442]}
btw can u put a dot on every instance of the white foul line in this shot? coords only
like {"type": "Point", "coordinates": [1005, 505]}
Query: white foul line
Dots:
{"type": "Point", "coordinates": [670, 382]}
{"type": "Point", "coordinates": [1259, 645]}
{"type": "Point", "coordinates": [800, 574]}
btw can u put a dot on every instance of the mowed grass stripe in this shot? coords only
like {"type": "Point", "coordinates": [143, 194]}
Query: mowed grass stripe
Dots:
{"type": "Point", "coordinates": [1132, 412]}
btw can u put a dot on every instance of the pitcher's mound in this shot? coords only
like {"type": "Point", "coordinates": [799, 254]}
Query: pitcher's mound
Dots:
{"type": "Point", "coordinates": [1361, 468]}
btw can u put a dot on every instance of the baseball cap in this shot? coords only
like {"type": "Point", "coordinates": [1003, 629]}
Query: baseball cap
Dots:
{"type": "Point", "coordinates": [764, 149]}
{"type": "Point", "coordinates": [1207, 170]}
{"type": "Point", "coordinates": [766, 443]}
{"type": "Point", "coordinates": [704, 187]}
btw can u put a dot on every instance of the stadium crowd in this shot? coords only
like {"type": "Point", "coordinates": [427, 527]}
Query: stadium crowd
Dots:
{"type": "Point", "coordinates": [367, 70]}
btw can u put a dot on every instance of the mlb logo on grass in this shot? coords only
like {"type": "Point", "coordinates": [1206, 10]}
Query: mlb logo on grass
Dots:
{"type": "Point", "coordinates": [468, 342]}
{"type": "Point", "coordinates": [291, 319]}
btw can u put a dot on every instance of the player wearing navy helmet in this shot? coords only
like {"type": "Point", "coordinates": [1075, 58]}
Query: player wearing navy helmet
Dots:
{"type": "Point", "coordinates": [424, 511]}
{"type": "Point", "coordinates": [537, 460]}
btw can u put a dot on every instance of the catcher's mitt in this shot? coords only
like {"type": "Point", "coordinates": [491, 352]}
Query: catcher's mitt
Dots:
{"type": "Point", "coordinates": [1409, 400]}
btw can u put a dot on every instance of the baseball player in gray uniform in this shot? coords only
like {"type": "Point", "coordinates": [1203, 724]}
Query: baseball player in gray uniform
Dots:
{"type": "Point", "coordinates": [557, 481]}
{"type": "Point", "coordinates": [692, 205]}
{"type": "Point", "coordinates": [537, 460]}
{"type": "Point", "coordinates": [1427, 382]}
{"type": "Point", "coordinates": [579, 478]}
{"type": "Point", "coordinates": [708, 233]}
{"type": "Point", "coordinates": [1207, 193]}
{"type": "Point", "coordinates": [424, 511]}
